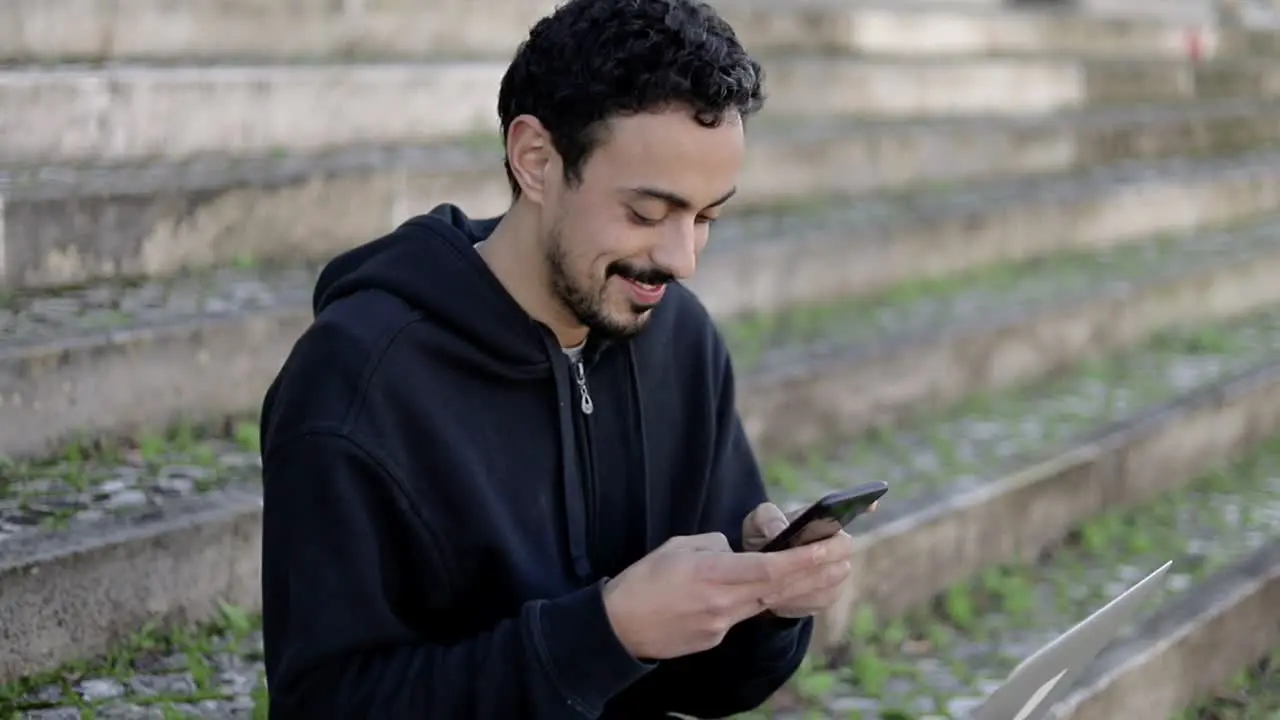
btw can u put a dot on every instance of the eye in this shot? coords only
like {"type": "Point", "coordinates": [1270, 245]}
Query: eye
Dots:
{"type": "Point", "coordinates": [641, 220]}
{"type": "Point", "coordinates": [704, 220]}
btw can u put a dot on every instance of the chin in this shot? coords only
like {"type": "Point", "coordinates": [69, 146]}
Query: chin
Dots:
{"type": "Point", "coordinates": [632, 328]}
{"type": "Point", "coordinates": [625, 324]}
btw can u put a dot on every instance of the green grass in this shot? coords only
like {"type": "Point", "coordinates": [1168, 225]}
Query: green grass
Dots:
{"type": "Point", "coordinates": [198, 453]}
{"type": "Point", "coordinates": [187, 654]}
{"type": "Point", "coordinates": [987, 433]}
{"type": "Point", "coordinates": [933, 304]}
{"type": "Point", "coordinates": [1253, 694]}
{"type": "Point", "coordinates": [971, 635]}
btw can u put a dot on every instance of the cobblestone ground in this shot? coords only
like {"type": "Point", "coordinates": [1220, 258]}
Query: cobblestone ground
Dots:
{"type": "Point", "coordinates": [964, 445]}
{"type": "Point", "coordinates": [935, 663]}
{"type": "Point", "coordinates": [908, 668]}
{"type": "Point", "coordinates": [939, 662]}
{"type": "Point", "coordinates": [929, 307]}
{"type": "Point", "coordinates": [988, 434]}
{"type": "Point", "coordinates": [133, 478]}
{"type": "Point", "coordinates": [943, 659]}
{"type": "Point", "coordinates": [213, 672]}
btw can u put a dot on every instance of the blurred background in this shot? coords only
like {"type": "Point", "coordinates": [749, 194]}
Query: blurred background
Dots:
{"type": "Point", "coordinates": [1020, 260]}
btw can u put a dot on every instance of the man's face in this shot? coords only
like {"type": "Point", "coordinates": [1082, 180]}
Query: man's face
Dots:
{"type": "Point", "coordinates": [640, 216]}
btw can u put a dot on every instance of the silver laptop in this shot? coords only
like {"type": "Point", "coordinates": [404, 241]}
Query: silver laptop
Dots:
{"type": "Point", "coordinates": [1045, 677]}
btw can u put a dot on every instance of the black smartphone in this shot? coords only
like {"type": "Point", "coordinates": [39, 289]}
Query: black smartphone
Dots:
{"type": "Point", "coordinates": [828, 516]}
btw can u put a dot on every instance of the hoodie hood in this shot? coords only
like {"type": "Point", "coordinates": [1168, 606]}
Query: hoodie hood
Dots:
{"type": "Point", "coordinates": [430, 263]}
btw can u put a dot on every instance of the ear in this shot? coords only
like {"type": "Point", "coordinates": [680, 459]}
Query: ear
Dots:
{"type": "Point", "coordinates": [530, 154]}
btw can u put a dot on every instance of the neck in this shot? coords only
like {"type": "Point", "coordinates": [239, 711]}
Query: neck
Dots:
{"type": "Point", "coordinates": [516, 257]}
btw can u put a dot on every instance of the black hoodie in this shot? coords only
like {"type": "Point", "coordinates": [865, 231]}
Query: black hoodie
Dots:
{"type": "Point", "coordinates": [440, 514]}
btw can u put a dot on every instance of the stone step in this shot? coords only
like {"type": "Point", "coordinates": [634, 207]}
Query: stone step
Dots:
{"type": "Point", "coordinates": [1255, 690]}
{"type": "Point", "coordinates": [1252, 43]}
{"type": "Point", "coordinates": [1106, 432]}
{"type": "Point", "coordinates": [869, 362]}
{"type": "Point", "coordinates": [1186, 12]}
{"type": "Point", "coordinates": [210, 672]}
{"type": "Point", "coordinates": [113, 356]}
{"type": "Point", "coordinates": [923, 29]}
{"type": "Point", "coordinates": [101, 540]}
{"type": "Point", "coordinates": [75, 225]}
{"type": "Point", "coordinates": [1216, 617]}
{"type": "Point", "coordinates": [853, 247]}
{"type": "Point", "coordinates": [102, 30]}
{"type": "Point", "coordinates": [1199, 642]}
{"type": "Point", "coordinates": [121, 113]}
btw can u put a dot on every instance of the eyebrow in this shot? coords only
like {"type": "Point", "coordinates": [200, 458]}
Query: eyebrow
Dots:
{"type": "Point", "coordinates": [677, 201]}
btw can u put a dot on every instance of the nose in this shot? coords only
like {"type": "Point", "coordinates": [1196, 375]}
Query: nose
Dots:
{"type": "Point", "coordinates": [678, 251]}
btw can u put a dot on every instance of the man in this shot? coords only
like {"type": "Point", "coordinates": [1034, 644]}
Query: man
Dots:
{"type": "Point", "coordinates": [504, 476]}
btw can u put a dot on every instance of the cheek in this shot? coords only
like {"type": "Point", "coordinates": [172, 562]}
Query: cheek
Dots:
{"type": "Point", "coordinates": [597, 234]}
{"type": "Point", "coordinates": [581, 256]}
{"type": "Point", "coordinates": [618, 241]}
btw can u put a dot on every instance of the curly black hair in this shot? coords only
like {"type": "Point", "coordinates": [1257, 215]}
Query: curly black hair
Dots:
{"type": "Point", "coordinates": [592, 60]}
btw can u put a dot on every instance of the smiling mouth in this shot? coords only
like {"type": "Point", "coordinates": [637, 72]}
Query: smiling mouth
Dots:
{"type": "Point", "coordinates": [646, 294]}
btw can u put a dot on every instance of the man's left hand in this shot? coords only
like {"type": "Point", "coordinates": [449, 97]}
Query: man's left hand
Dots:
{"type": "Point", "coordinates": [818, 588]}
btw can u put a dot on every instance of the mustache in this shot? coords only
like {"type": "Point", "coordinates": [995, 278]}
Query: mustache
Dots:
{"type": "Point", "coordinates": [647, 276]}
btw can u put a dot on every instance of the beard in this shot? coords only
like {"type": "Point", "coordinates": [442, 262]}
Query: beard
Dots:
{"type": "Point", "coordinates": [588, 301]}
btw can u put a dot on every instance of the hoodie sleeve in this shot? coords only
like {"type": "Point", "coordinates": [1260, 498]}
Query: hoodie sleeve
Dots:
{"type": "Point", "coordinates": [336, 534]}
{"type": "Point", "coordinates": [758, 655]}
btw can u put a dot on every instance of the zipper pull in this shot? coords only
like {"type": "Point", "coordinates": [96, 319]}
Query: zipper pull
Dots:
{"type": "Point", "coordinates": [580, 374]}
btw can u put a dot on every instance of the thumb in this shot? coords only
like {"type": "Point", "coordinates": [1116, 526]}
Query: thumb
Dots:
{"type": "Point", "coordinates": [770, 520]}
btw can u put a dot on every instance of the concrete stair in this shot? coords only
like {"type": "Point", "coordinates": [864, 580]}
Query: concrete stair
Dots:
{"type": "Point", "coordinates": [72, 224]}
{"type": "Point", "coordinates": [103, 30]}
{"type": "Point", "coordinates": [122, 114]}
{"type": "Point", "coordinates": [1022, 264]}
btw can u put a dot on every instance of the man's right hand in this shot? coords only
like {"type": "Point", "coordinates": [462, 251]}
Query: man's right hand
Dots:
{"type": "Point", "coordinates": [683, 597]}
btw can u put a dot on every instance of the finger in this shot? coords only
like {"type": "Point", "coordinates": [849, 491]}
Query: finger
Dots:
{"type": "Point", "coordinates": [735, 569]}
{"type": "Point", "coordinates": [821, 583]}
{"type": "Point", "coordinates": [706, 542]}
{"type": "Point", "coordinates": [742, 602]}
{"type": "Point", "coordinates": [768, 569]}
{"type": "Point", "coordinates": [743, 580]}
{"type": "Point", "coordinates": [839, 547]}
{"type": "Point", "coordinates": [798, 560]}
{"type": "Point", "coordinates": [807, 605]}
{"type": "Point", "coordinates": [833, 549]}
{"type": "Point", "coordinates": [810, 594]}
{"type": "Point", "coordinates": [767, 520]}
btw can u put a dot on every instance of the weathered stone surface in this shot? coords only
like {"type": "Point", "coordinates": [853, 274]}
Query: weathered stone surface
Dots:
{"type": "Point", "coordinates": [46, 30]}
{"type": "Point", "coordinates": [143, 376]}
{"type": "Point", "coordinates": [84, 587]}
{"type": "Point", "coordinates": [71, 594]}
{"type": "Point", "coordinates": [909, 553]}
{"type": "Point", "coordinates": [798, 404]}
{"type": "Point", "coordinates": [943, 231]}
{"type": "Point", "coordinates": [1196, 644]}
{"type": "Point", "coordinates": [1184, 12]}
{"type": "Point", "coordinates": [73, 225]}
{"type": "Point", "coordinates": [942, 658]}
{"type": "Point", "coordinates": [103, 359]}
{"type": "Point", "coordinates": [898, 29]}
{"type": "Point", "coordinates": [72, 114]}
